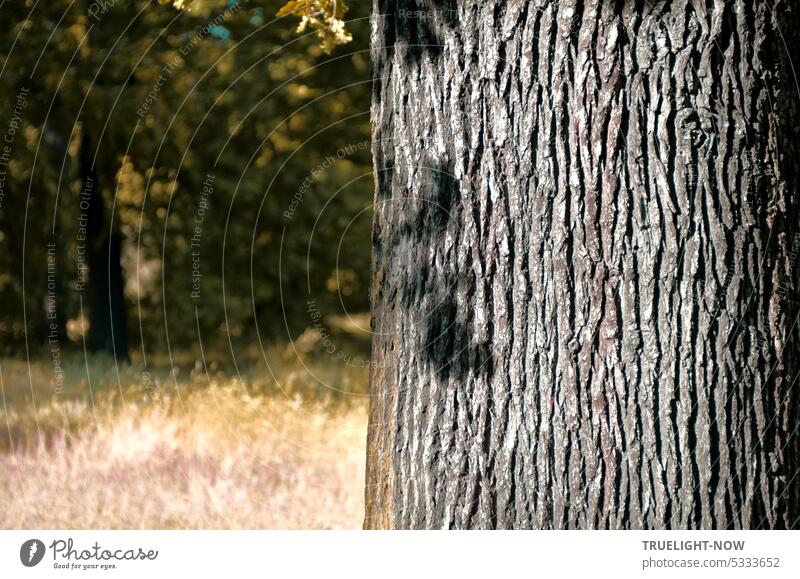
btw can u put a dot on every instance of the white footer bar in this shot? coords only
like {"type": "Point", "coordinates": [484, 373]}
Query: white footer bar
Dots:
{"type": "Point", "coordinates": [406, 555]}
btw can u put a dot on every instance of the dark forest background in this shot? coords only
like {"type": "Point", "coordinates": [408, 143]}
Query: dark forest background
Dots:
{"type": "Point", "coordinates": [170, 177]}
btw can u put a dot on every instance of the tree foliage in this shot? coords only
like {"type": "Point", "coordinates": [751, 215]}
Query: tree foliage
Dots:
{"type": "Point", "coordinates": [161, 101]}
{"type": "Point", "coordinates": [325, 17]}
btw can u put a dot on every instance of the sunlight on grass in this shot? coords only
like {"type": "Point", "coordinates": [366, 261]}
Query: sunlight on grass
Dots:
{"type": "Point", "coordinates": [193, 452]}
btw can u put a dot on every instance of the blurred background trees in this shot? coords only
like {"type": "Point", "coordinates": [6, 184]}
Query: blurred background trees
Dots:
{"type": "Point", "coordinates": [172, 176]}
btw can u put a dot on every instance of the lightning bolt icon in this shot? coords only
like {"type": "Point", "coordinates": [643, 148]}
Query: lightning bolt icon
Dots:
{"type": "Point", "coordinates": [34, 548]}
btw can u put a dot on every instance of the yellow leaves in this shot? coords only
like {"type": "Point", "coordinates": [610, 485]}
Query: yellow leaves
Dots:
{"type": "Point", "coordinates": [298, 122]}
{"type": "Point", "coordinates": [200, 6]}
{"type": "Point", "coordinates": [130, 184]}
{"type": "Point", "coordinates": [264, 159]}
{"type": "Point", "coordinates": [31, 136]}
{"type": "Point", "coordinates": [325, 17]}
{"type": "Point", "coordinates": [296, 6]}
{"type": "Point", "coordinates": [303, 91]}
{"type": "Point", "coordinates": [225, 66]}
{"type": "Point", "coordinates": [342, 280]}
{"type": "Point", "coordinates": [282, 141]}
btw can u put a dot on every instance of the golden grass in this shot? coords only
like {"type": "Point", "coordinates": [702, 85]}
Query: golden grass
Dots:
{"type": "Point", "coordinates": [194, 453]}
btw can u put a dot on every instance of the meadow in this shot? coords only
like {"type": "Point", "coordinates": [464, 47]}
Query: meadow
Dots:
{"type": "Point", "coordinates": [272, 446]}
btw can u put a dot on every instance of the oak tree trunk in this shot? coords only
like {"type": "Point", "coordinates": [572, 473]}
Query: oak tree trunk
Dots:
{"type": "Point", "coordinates": [585, 265]}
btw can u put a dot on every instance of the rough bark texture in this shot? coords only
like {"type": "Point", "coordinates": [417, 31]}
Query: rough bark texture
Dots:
{"type": "Point", "coordinates": [585, 295]}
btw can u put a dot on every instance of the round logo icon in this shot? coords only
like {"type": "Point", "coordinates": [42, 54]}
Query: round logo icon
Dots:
{"type": "Point", "coordinates": [31, 553]}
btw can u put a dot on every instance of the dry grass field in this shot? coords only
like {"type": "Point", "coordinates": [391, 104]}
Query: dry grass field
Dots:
{"type": "Point", "coordinates": [184, 449]}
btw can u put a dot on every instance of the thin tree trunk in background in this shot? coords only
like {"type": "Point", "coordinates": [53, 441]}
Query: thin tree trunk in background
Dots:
{"type": "Point", "coordinates": [107, 319]}
{"type": "Point", "coordinates": [585, 278]}
{"type": "Point", "coordinates": [107, 322]}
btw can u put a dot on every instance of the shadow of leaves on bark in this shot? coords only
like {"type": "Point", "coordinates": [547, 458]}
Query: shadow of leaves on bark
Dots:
{"type": "Point", "coordinates": [416, 24]}
{"type": "Point", "coordinates": [427, 222]}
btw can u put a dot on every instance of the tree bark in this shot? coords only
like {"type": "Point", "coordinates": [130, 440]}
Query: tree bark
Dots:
{"type": "Point", "coordinates": [585, 281]}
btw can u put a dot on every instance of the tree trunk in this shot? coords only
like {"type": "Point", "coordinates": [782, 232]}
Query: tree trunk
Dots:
{"type": "Point", "coordinates": [584, 297]}
{"type": "Point", "coordinates": [107, 322]}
